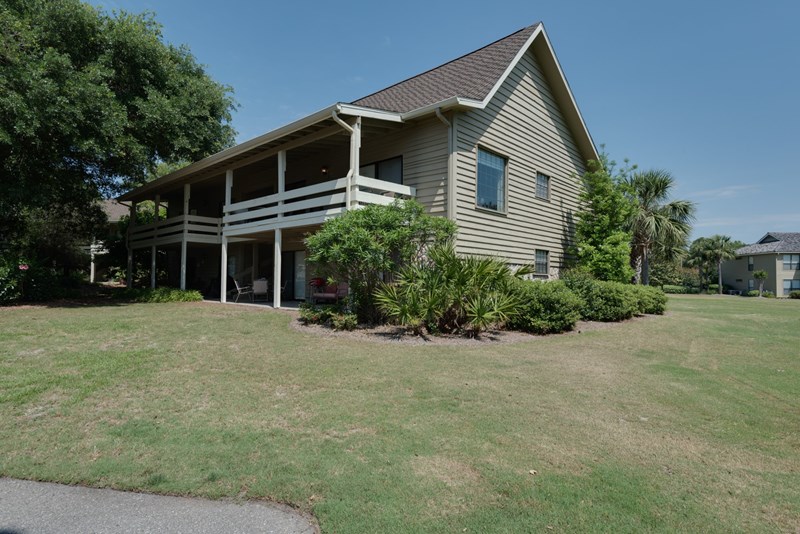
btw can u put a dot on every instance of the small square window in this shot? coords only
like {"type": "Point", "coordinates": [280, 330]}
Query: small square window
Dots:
{"type": "Point", "coordinates": [491, 190]}
{"type": "Point", "coordinates": [790, 285]}
{"type": "Point", "coordinates": [542, 186]}
{"type": "Point", "coordinates": [541, 266]}
{"type": "Point", "coordinates": [791, 262]}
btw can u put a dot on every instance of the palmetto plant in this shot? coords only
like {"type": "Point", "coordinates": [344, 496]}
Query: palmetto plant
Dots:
{"type": "Point", "coordinates": [657, 222]}
{"type": "Point", "coordinates": [448, 293]}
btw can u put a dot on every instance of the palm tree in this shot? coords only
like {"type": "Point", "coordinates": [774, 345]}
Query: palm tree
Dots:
{"type": "Point", "coordinates": [720, 248]}
{"type": "Point", "coordinates": [657, 222]}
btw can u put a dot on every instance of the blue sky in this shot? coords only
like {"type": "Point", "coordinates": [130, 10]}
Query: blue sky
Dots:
{"type": "Point", "coordinates": [709, 90]}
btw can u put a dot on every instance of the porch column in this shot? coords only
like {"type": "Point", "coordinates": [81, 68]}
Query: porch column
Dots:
{"type": "Point", "coordinates": [186, 194]}
{"type": "Point", "coordinates": [131, 223]}
{"type": "Point", "coordinates": [355, 162]}
{"type": "Point", "coordinates": [223, 271]}
{"type": "Point", "coordinates": [153, 267]}
{"type": "Point", "coordinates": [276, 275]}
{"type": "Point", "coordinates": [281, 179]}
{"type": "Point", "coordinates": [157, 208]}
{"type": "Point", "coordinates": [91, 265]}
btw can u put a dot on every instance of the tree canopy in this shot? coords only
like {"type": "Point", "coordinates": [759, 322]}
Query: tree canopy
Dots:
{"type": "Point", "coordinates": [91, 103]}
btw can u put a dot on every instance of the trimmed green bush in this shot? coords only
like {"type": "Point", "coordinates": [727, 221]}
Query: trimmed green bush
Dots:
{"type": "Point", "coordinates": [713, 288]}
{"type": "Point", "coordinates": [649, 299]}
{"type": "Point", "coordinates": [794, 295]}
{"type": "Point", "coordinates": [768, 294]}
{"type": "Point", "coordinates": [331, 315]}
{"type": "Point", "coordinates": [679, 290]}
{"type": "Point", "coordinates": [751, 293]}
{"type": "Point", "coordinates": [544, 307]}
{"type": "Point", "coordinates": [159, 294]}
{"type": "Point", "coordinates": [344, 321]}
{"type": "Point", "coordinates": [602, 301]}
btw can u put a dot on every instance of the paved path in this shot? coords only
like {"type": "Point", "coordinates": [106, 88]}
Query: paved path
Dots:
{"type": "Point", "coordinates": [39, 507]}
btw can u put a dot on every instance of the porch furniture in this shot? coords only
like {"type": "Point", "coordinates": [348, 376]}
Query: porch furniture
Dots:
{"type": "Point", "coordinates": [328, 292]}
{"type": "Point", "coordinates": [260, 289]}
{"type": "Point", "coordinates": [240, 290]}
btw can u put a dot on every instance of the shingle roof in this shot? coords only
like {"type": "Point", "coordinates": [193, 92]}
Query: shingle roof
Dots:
{"type": "Point", "coordinates": [471, 76]}
{"type": "Point", "coordinates": [785, 242]}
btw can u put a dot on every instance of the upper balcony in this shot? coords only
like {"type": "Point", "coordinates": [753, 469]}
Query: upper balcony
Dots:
{"type": "Point", "coordinates": [191, 228]}
{"type": "Point", "coordinates": [310, 205]}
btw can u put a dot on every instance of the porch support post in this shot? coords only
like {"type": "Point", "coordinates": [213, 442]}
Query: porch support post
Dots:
{"type": "Point", "coordinates": [153, 267]}
{"type": "Point", "coordinates": [91, 265]}
{"type": "Point", "coordinates": [131, 223]}
{"type": "Point", "coordinates": [355, 163]}
{"type": "Point", "coordinates": [281, 178]}
{"type": "Point", "coordinates": [186, 194]}
{"type": "Point", "coordinates": [276, 275]}
{"type": "Point", "coordinates": [223, 271]}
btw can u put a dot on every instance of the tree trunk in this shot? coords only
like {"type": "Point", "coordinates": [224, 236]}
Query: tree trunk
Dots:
{"type": "Point", "coordinates": [761, 288]}
{"type": "Point", "coordinates": [645, 267]}
{"type": "Point", "coordinates": [719, 276]}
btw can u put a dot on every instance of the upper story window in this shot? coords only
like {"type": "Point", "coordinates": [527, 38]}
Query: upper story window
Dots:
{"type": "Point", "coordinates": [542, 186]}
{"type": "Point", "coordinates": [791, 262]}
{"type": "Point", "coordinates": [388, 170]}
{"type": "Point", "coordinates": [491, 190]}
{"type": "Point", "coordinates": [749, 263]}
{"type": "Point", "coordinates": [542, 263]}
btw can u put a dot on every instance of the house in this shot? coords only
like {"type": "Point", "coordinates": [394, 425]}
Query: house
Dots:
{"type": "Point", "coordinates": [493, 140]}
{"type": "Point", "coordinates": [114, 212]}
{"type": "Point", "coordinates": [777, 253]}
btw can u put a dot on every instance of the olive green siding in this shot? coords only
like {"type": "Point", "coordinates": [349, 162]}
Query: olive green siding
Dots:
{"type": "Point", "coordinates": [523, 123]}
{"type": "Point", "coordinates": [736, 276]}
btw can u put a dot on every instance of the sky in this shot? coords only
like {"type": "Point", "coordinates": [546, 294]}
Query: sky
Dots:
{"type": "Point", "coordinates": [708, 90]}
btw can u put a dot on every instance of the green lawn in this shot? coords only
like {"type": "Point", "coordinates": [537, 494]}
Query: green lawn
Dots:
{"type": "Point", "coordinates": [689, 421]}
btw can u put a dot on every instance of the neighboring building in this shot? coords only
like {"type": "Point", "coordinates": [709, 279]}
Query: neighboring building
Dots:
{"type": "Point", "coordinates": [777, 253]}
{"type": "Point", "coordinates": [114, 212]}
{"type": "Point", "coordinates": [493, 140]}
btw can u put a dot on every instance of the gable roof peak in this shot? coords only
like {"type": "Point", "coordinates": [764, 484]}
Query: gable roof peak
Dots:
{"type": "Point", "coordinates": [471, 76]}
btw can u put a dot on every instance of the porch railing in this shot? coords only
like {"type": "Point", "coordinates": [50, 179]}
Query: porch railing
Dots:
{"type": "Point", "coordinates": [196, 227]}
{"type": "Point", "coordinates": [309, 205]}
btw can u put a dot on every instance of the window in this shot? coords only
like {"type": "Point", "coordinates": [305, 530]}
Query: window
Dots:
{"type": "Point", "coordinates": [491, 193]}
{"type": "Point", "coordinates": [388, 170]}
{"type": "Point", "coordinates": [542, 264]}
{"type": "Point", "coordinates": [542, 186]}
{"type": "Point", "coordinates": [749, 263]}
{"type": "Point", "coordinates": [751, 284]}
{"type": "Point", "coordinates": [790, 285]}
{"type": "Point", "coordinates": [791, 262]}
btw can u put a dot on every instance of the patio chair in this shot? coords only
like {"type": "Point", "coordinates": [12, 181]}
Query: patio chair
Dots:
{"type": "Point", "coordinates": [260, 289]}
{"type": "Point", "coordinates": [240, 290]}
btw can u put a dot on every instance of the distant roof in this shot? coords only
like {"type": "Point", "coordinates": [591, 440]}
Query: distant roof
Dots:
{"type": "Point", "coordinates": [471, 76]}
{"type": "Point", "coordinates": [773, 242]}
{"type": "Point", "coordinates": [114, 210]}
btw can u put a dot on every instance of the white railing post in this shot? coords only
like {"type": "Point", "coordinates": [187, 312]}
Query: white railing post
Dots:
{"type": "Point", "coordinates": [281, 180]}
{"type": "Point", "coordinates": [131, 223]}
{"type": "Point", "coordinates": [355, 162]}
{"type": "Point", "coordinates": [185, 235]}
{"type": "Point", "coordinates": [276, 274]}
{"type": "Point", "coordinates": [223, 271]}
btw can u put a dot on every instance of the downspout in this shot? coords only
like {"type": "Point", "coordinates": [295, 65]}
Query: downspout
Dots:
{"type": "Point", "coordinates": [451, 165]}
{"type": "Point", "coordinates": [350, 173]}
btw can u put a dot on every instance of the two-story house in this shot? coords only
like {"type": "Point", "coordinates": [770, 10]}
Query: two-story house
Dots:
{"type": "Point", "coordinates": [493, 140]}
{"type": "Point", "coordinates": [777, 253]}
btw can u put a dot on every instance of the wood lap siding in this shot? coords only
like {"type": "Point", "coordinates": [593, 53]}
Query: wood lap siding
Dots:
{"type": "Point", "coordinates": [524, 124]}
{"type": "Point", "coordinates": [423, 146]}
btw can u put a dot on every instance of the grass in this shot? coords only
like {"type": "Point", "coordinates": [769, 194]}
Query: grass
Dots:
{"type": "Point", "coordinates": [688, 422]}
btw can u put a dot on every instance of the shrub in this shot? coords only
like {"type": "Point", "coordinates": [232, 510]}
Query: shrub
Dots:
{"type": "Point", "coordinates": [331, 315]}
{"type": "Point", "coordinates": [603, 301]}
{"type": "Point", "coordinates": [751, 293]}
{"type": "Point", "coordinates": [768, 294]}
{"type": "Point", "coordinates": [159, 294]}
{"type": "Point", "coordinates": [649, 299]}
{"type": "Point", "coordinates": [25, 280]}
{"type": "Point", "coordinates": [713, 288]}
{"type": "Point", "coordinates": [680, 290]}
{"type": "Point", "coordinates": [448, 293]}
{"type": "Point", "coordinates": [794, 295]}
{"type": "Point", "coordinates": [545, 307]}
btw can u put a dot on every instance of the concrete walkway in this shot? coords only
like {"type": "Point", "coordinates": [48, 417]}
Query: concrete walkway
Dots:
{"type": "Point", "coordinates": [39, 507]}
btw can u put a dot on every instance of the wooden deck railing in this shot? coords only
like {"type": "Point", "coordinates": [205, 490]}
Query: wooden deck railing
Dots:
{"type": "Point", "coordinates": [196, 228]}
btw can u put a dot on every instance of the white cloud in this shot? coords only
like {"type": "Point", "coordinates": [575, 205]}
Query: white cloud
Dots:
{"type": "Point", "coordinates": [780, 221]}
